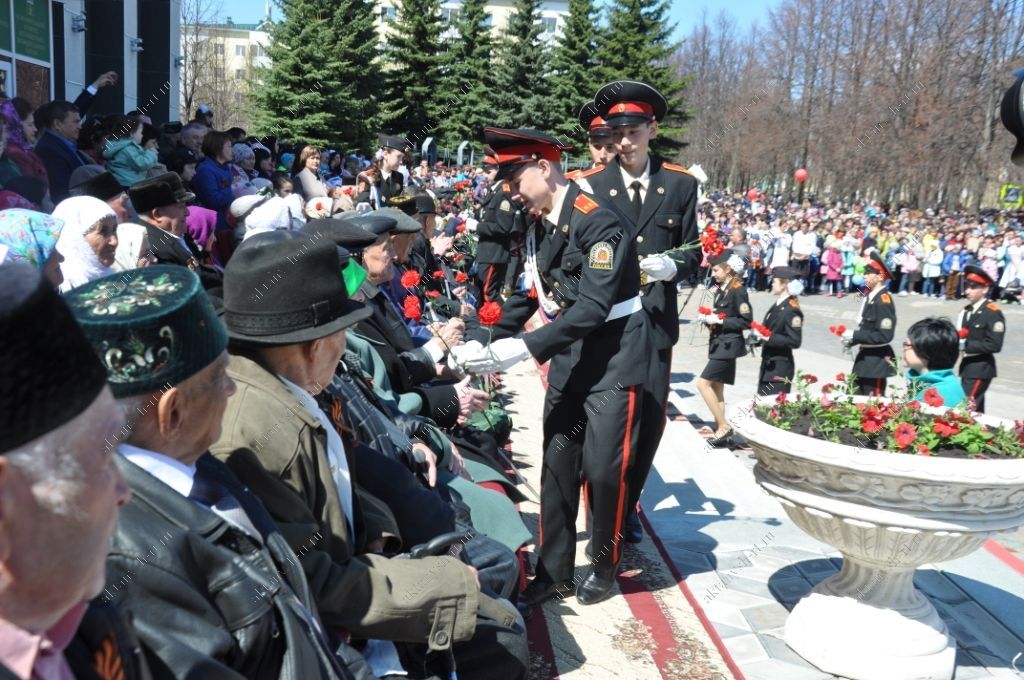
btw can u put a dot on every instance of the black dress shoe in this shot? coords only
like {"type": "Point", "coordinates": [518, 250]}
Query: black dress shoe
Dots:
{"type": "Point", "coordinates": [597, 586]}
{"type": "Point", "coordinates": [718, 442]}
{"type": "Point", "coordinates": [541, 590]}
{"type": "Point", "coordinates": [633, 531]}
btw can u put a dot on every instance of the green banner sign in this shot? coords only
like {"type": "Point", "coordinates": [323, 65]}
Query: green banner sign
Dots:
{"type": "Point", "coordinates": [32, 29]}
{"type": "Point", "coordinates": [5, 25]}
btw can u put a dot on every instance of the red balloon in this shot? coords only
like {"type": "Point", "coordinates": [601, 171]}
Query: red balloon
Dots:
{"type": "Point", "coordinates": [800, 175]}
{"type": "Point", "coordinates": [752, 194]}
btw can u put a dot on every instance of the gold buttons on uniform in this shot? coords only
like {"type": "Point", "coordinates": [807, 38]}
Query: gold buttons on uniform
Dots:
{"type": "Point", "coordinates": [565, 228]}
{"type": "Point", "coordinates": [613, 192]}
{"type": "Point", "coordinates": [671, 221]}
{"type": "Point", "coordinates": [639, 239]}
{"type": "Point", "coordinates": [555, 284]}
{"type": "Point", "coordinates": [661, 190]}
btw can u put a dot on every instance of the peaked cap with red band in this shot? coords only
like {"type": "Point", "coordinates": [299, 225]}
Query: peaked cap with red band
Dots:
{"type": "Point", "coordinates": [976, 274]}
{"type": "Point", "coordinates": [878, 264]}
{"type": "Point", "coordinates": [592, 121]}
{"type": "Point", "coordinates": [516, 148]}
{"type": "Point", "coordinates": [630, 102]}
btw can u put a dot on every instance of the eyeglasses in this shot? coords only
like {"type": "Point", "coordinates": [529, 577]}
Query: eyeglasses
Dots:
{"type": "Point", "coordinates": [907, 345]}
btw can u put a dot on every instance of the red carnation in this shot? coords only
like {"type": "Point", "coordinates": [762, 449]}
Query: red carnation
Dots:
{"type": "Point", "coordinates": [433, 294]}
{"type": "Point", "coordinates": [963, 333]}
{"type": "Point", "coordinates": [456, 257]}
{"type": "Point", "coordinates": [460, 228]}
{"type": "Point", "coordinates": [837, 330]}
{"type": "Point", "coordinates": [489, 313]}
{"type": "Point", "coordinates": [905, 435]}
{"type": "Point", "coordinates": [721, 315]}
{"type": "Point", "coordinates": [410, 279]}
{"type": "Point", "coordinates": [945, 428]}
{"type": "Point", "coordinates": [932, 397]}
{"type": "Point", "coordinates": [703, 310]}
{"type": "Point", "coordinates": [460, 277]}
{"type": "Point", "coordinates": [438, 274]}
{"type": "Point", "coordinates": [411, 308]}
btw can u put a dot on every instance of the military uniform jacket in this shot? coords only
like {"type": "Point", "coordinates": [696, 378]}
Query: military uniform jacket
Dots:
{"type": "Point", "coordinates": [494, 230]}
{"type": "Point", "coordinates": [587, 263]}
{"type": "Point", "coordinates": [876, 330]}
{"type": "Point", "coordinates": [985, 329]}
{"type": "Point", "coordinates": [727, 337]}
{"type": "Point", "coordinates": [390, 185]}
{"type": "Point", "coordinates": [785, 321]}
{"type": "Point", "coordinates": [667, 220]}
{"type": "Point", "coordinates": [209, 600]}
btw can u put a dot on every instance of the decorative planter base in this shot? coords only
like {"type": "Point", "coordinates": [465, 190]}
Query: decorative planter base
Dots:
{"type": "Point", "coordinates": [842, 634]}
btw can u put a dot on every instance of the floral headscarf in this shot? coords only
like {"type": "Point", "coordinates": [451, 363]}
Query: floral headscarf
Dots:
{"type": "Point", "coordinates": [28, 236]}
{"type": "Point", "coordinates": [12, 121]}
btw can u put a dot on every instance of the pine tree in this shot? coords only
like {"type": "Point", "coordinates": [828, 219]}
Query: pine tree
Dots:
{"type": "Point", "coordinates": [522, 57]}
{"type": "Point", "coordinates": [319, 80]}
{"type": "Point", "coordinates": [469, 83]}
{"type": "Point", "coordinates": [408, 104]}
{"type": "Point", "coordinates": [574, 77]}
{"type": "Point", "coordinates": [637, 45]}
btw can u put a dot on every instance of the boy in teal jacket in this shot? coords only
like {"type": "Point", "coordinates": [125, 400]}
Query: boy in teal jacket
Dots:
{"type": "Point", "coordinates": [930, 352]}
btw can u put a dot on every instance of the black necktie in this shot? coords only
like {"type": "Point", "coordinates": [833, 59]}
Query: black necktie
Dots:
{"type": "Point", "coordinates": [967, 315]}
{"type": "Point", "coordinates": [638, 202]}
{"type": "Point", "coordinates": [213, 495]}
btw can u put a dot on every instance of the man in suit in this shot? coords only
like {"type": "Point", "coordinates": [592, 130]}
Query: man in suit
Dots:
{"type": "Point", "coordinates": [192, 524]}
{"type": "Point", "coordinates": [875, 361]}
{"type": "Point", "coordinates": [582, 271]}
{"type": "Point", "coordinates": [660, 200]}
{"type": "Point", "coordinates": [784, 325]}
{"type": "Point", "coordinates": [58, 147]}
{"type": "Point", "coordinates": [162, 204]}
{"type": "Point", "coordinates": [982, 327]}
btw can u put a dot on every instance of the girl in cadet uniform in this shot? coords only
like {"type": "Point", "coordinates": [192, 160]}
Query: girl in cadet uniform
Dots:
{"type": "Point", "coordinates": [729, 317]}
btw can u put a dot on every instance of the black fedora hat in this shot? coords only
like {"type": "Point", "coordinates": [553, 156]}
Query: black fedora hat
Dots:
{"type": "Point", "coordinates": [630, 102]}
{"type": "Point", "coordinates": [1012, 113]}
{"type": "Point", "coordinates": [285, 287]}
{"type": "Point", "coordinates": [159, 191]}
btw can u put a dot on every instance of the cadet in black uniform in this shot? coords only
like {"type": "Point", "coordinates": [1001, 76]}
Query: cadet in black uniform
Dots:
{"type": "Point", "coordinates": [391, 180]}
{"type": "Point", "coordinates": [875, 359]}
{"type": "Point", "coordinates": [599, 139]}
{"type": "Point", "coordinates": [584, 273]}
{"type": "Point", "coordinates": [726, 344]}
{"type": "Point", "coordinates": [784, 322]}
{"type": "Point", "coordinates": [494, 235]}
{"type": "Point", "coordinates": [660, 199]}
{"type": "Point", "coordinates": [985, 326]}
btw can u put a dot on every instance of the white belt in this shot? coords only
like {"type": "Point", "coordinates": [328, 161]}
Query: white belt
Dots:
{"type": "Point", "coordinates": [625, 308]}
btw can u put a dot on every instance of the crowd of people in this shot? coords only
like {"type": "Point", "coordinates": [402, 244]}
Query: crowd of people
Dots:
{"type": "Point", "coordinates": [253, 422]}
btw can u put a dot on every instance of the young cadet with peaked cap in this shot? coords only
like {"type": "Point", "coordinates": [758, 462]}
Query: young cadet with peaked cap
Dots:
{"type": "Point", "coordinates": [494, 234]}
{"type": "Point", "coordinates": [730, 316]}
{"type": "Point", "coordinates": [192, 525]}
{"type": "Point", "coordinates": [875, 361]}
{"type": "Point", "coordinates": [985, 327]}
{"type": "Point", "coordinates": [784, 321]}
{"type": "Point", "coordinates": [582, 270]}
{"type": "Point", "coordinates": [391, 180]}
{"type": "Point", "coordinates": [599, 138]}
{"type": "Point", "coordinates": [661, 200]}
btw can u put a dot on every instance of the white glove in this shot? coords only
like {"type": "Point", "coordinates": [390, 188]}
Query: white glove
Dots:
{"type": "Point", "coordinates": [712, 319]}
{"type": "Point", "coordinates": [500, 356]}
{"type": "Point", "coordinates": [471, 224]}
{"type": "Point", "coordinates": [458, 354]}
{"type": "Point", "coordinates": [659, 267]}
{"type": "Point", "coordinates": [848, 337]}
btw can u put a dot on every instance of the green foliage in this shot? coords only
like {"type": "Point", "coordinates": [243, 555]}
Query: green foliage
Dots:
{"type": "Point", "coordinates": [412, 71]}
{"type": "Point", "coordinates": [574, 78]}
{"type": "Point", "coordinates": [468, 76]}
{"type": "Point", "coordinates": [521, 87]}
{"type": "Point", "coordinates": [636, 45]}
{"type": "Point", "coordinates": [319, 88]}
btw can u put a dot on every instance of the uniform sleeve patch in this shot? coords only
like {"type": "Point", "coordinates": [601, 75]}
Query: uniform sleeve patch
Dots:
{"type": "Point", "coordinates": [797, 322]}
{"type": "Point", "coordinates": [886, 299]}
{"type": "Point", "coordinates": [998, 327]}
{"type": "Point", "coordinates": [584, 204]}
{"type": "Point", "coordinates": [505, 206]}
{"type": "Point", "coordinates": [602, 256]}
{"type": "Point", "coordinates": [886, 324]}
{"type": "Point", "coordinates": [744, 308]}
{"type": "Point", "coordinates": [677, 168]}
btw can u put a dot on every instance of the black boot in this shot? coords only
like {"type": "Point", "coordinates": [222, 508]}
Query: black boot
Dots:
{"type": "Point", "coordinates": [633, 530]}
{"type": "Point", "coordinates": [597, 586]}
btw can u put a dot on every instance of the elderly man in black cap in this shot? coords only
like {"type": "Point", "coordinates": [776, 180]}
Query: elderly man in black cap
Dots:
{"type": "Point", "coordinates": [780, 333]}
{"type": "Point", "coordinates": [162, 204]}
{"type": "Point", "coordinates": [286, 308]}
{"type": "Point", "coordinates": [582, 271]}
{"type": "Point", "coordinates": [60, 488]}
{"type": "Point", "coordinates": [192, 523]}
{"type": "Point", "coordinates": [660, 199]}
{"type": "Point", "coordinates": [875, 360]}
{"type": "Point", "coordinates": [982, 327]}
{"type": "Point", "coordinates": [393, 152]}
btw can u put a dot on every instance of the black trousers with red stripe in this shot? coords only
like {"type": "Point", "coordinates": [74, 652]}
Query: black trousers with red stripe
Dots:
{"type": "Point", "coordinates": [490, 278]}
{"type": "Point", "coordinates": [871, 387]}
{"type": "Point", "coordinates": [652, 422]}
{"type": "Point", "coordinates": [975, 389]}
{"type": "Point", "coordinates": [590, 436]}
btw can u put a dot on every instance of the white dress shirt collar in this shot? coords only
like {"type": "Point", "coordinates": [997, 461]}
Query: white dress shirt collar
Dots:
{"type": "Point", "coordinates": [170, 471]}
{"type": "Point", "coordinates": [644, 178]}
{"type": "Point", "coordinates": [556, 205]}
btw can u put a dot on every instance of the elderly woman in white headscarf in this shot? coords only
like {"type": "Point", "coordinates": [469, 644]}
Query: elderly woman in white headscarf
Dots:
{"type": "Point", "coordinates": [88, 241]}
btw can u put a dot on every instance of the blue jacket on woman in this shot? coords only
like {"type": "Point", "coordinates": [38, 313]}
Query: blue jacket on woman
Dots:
{"type": "Point", "coordinates": [212, 186]}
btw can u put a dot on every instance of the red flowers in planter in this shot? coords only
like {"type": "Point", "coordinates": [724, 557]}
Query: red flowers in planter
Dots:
{"type": "Point", "coordinates": [933, 398]}
{"type": "Point", "coordinates": [945, 428]}
{"type": "Point", "coordinates": [489, 313]}
{"type": "Point", "coordinates": [904, 435]}
{"type": "Point", "coordinates": [410, 279]}
{"type": "Point", "coordinates": [872, 419]}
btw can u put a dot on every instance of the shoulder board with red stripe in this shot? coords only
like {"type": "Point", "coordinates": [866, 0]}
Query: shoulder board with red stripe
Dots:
{"type": "Point", "coordinates": [886, 299]}
{"type": "Point", "coordinates": [592, 171]}
{"type": "Point", "coordinates": [993, 306]}
{"type": "Point", "coordinates": [585, 204]}
{"type": "Point", "coordinates": [736, 284]}
{"type": "Point", "coordinates": [572, 175]}
{"type": "Point", "coordinates": [677, 168]}
{"type": "Point", "coordinates": [793, 303]}
{"type": "Point", "coordinates": [505, 186]}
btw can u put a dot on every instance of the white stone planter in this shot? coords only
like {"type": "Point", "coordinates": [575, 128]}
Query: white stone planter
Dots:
{"type": "Point", "coordinates": [887, 513]}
